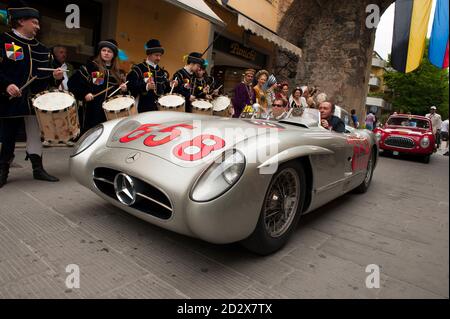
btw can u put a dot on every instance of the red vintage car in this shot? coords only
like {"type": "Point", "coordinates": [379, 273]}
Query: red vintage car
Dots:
{"type": "Point", "coordinates": [407, 134]}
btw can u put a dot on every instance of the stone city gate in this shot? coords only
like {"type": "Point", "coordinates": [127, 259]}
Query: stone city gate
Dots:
{"type": "Point", "coordinates": [337, 47]}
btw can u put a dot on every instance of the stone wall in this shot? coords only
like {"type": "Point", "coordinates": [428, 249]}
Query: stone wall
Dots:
{"type": "Point", "coordinates": [337, 47]}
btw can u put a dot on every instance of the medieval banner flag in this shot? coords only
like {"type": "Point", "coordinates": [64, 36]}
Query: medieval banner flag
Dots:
{"type": "Point", "coordinates": [438, 50]}
{"type": "Point", "coordinates": [410, 29]}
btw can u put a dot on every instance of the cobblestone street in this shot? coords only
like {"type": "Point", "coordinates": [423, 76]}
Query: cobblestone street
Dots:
{"type": "Point", "coordinates": [400, 224]}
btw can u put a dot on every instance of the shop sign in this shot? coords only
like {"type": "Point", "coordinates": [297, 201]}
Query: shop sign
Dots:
{"type": "Point", "coordinates": [239, 50]}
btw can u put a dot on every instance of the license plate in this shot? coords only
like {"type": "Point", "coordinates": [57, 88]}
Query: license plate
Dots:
{"type": "Point", "coordinates": [395, 153]}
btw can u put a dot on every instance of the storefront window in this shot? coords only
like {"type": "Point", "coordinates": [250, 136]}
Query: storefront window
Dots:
{"type": "Point", "coordinates": [80, 42]}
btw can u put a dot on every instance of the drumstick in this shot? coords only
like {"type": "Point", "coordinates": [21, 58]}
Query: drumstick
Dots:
{"type": "Point", "coordinates": [218, 88]}
{"type": "Point", "coordinates": [173, 86]}
{"type": "Point", "coordinates": [101, 92]}
{"type": "Point", "coordinates": [49, 69]}
{"type": "Point", "coordinates": [115, 91]}
{"type": "Point", "coordinates": [24, 86]}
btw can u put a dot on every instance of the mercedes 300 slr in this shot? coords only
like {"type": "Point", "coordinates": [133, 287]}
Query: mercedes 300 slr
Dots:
{"type": "Point", "coordinates": [219, 179]}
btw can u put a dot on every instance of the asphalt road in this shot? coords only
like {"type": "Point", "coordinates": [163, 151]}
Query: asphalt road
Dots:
{"type": "Point", "coordinates": [400, 225]}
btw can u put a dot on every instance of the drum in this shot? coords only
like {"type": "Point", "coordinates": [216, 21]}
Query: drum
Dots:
{"type": "Point", "coordinates": [202, 107]}
{"type": "Point", "coordinates": [172, 102]}
{"type": "Point", "coordinates": [119, 106]}
{"type": "Point", "coordinates": [57, 115]}
{"type": "Point", "coordinates": [222, 106]}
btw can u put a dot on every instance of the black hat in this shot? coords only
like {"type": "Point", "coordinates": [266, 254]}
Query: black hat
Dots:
{"type": "Point", "coordinates": [111, 44]}
{"type": "Point", "coordinates": [153, 46]}
{"type": "Point", "coordinates": [195, 58]}
{"type": "Point", "coordinates": [20, 10]}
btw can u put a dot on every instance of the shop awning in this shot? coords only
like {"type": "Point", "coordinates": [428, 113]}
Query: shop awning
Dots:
{"type": "Point", "coordinates": [259, 30]}
{"type": "Point", "coordinates": [199, 8]}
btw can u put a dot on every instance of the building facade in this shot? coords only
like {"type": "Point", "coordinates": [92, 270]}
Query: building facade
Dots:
{"type": "Point", "coordinates": [234, 34]}
{"type": "Point", "coordinates": [375, 101]}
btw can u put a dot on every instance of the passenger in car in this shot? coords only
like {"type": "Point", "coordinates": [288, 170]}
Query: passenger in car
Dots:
{"type": "Point", "coordinates": [328, 120]}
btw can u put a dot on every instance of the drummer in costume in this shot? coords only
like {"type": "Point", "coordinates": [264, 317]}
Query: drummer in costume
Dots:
{"type": "Point", "coordinates": [95, 81]}
{"type": "Point", "coordinates": [147, 81]}
{"type": "Point", "coordinates": [20, 57]}
{"type": "Point", "coordinates": [184, 78]}
{"type": "Point", "coordinates": [244, 94]}
{"type": "Point", "coordinates": [204, 84]}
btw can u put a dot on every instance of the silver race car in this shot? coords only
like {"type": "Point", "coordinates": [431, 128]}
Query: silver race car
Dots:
{"type": "Point", "coordinates": [220, 179]}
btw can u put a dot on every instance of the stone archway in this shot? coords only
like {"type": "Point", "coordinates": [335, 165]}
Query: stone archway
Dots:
{"type": "Point", "coordinates": [337, 47]}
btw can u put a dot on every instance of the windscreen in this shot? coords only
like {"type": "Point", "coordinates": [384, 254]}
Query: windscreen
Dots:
{"type": "Point", "coordinates": [408, 122]}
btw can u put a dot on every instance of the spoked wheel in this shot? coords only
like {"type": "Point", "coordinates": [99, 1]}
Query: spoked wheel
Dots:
{"type": "Point", "coordinates": [280, 211]}
{"type": "Point", "coordinates": [281, 203]}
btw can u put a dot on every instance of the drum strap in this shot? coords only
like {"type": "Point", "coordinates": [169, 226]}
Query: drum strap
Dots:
{"type": "Point", "coordinates": [155, 76]}
{"type": "Point", "coordinates": [84, 72]}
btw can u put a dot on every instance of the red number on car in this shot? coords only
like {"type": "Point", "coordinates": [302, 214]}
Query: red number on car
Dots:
{"type": "Point", "coordinates": [199, 146]}
{"type": "Point", "coordinates": [150, 140]}
{"type": "Point", "coordinates": [137, 133]}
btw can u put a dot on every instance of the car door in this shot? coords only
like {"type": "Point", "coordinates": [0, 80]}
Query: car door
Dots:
{"type": "Point", "coordinates": [357, 158]}
{"type": "Point", "coordinates": [330, 169]}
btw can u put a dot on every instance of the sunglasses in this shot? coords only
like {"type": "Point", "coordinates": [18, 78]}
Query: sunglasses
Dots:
{"type": "Point", "coordinates": [278, 105]}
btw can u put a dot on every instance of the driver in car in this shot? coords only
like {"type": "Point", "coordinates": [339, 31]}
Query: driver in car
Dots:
{"type": "Point", "coordinates": [328, 120]}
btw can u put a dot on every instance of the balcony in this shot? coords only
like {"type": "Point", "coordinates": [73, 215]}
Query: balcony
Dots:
{"type": "Point", "coordinates": [374, 81]}
{"type": "Point", "coordinates": [375, 101]}
{"type": "Point", "coordinates": [378, 63]}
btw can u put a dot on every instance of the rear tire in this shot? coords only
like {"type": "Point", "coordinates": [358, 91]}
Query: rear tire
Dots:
{"type": "Point", "coordinates": [364, 186]}
{"type": "Point", "coordinates": [281, 210]}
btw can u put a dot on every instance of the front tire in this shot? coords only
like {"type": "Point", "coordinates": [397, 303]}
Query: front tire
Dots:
{"type": "Point", "coordinates": [426, 159]}
{"type": "Point", "coordinates": [281, 210]}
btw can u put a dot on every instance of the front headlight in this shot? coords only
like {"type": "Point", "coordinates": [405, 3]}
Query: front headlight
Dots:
{"type": "Point", "coordinates": [219, 177]}
{"type": "Point", "coordinates": [425, 142]}
{"type": "Point", "coordinates": [87, 139]}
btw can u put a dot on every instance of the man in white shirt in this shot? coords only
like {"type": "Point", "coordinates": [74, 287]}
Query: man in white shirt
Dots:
{"type": "Point", "coordinates": [436, 122]}
{"type": "Point", "coordinates": [60, 54]}
{"type": "Point", "coordinates": [444, 135]}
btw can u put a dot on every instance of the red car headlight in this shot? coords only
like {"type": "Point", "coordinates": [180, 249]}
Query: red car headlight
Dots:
{"type": "Point", "coordinates": [425, 142]}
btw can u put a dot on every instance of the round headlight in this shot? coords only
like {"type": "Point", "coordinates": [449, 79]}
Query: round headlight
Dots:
{"type": "Point", "coordinates": [425, 142]}
{"type": "Point", "coordinates": [87, 139]}
{"type": "Point", "coordinates": [219, 177]}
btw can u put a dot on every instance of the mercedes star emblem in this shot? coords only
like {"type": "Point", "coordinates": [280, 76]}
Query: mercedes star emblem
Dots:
{"type": "Point", "coordinates": [124, 188]}
{"type": "Point", "coordinates": [131, 158]}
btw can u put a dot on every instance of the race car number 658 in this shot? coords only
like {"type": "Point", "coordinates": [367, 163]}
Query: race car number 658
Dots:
{"type": "Point", "coordinates": [192, 150]}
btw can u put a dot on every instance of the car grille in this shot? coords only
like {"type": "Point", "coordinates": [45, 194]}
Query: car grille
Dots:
{"type": "Point", "coordinates": [399, 141]}
{"type": "Point", "coordinates": [149, 199]}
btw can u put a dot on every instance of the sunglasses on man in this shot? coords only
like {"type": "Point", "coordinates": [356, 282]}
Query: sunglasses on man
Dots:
{"type": "Point", "coordinates": [277, 105]}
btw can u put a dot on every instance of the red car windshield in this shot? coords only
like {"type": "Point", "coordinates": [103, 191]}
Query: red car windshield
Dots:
{"type": "Point", "coordinates": [408, 122]}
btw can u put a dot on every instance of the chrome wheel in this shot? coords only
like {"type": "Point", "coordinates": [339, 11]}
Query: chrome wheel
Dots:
{"type": "Point", "coordinates": [281, 202]}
